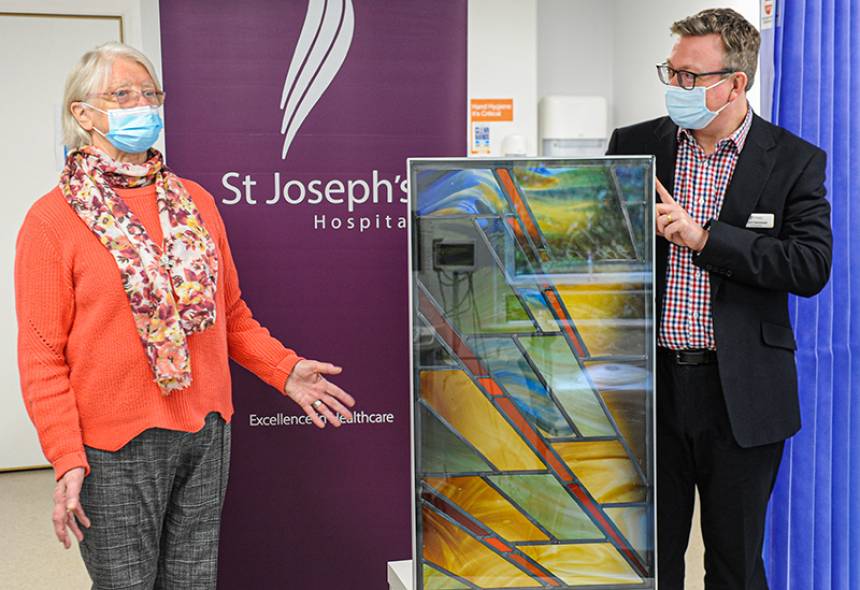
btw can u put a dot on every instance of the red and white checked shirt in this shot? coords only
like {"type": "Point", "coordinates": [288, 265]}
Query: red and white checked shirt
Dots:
{"type": "Point", "coordinates": [700, 185]}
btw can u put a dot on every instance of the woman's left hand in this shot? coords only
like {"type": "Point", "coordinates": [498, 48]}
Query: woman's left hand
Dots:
{"type": "Point", "coordinates": [68, 511]}
{"type": "Point", "coordinates": [316, 395]}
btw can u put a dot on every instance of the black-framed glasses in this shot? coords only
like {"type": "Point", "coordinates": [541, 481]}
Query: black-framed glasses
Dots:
{"type": "Point", "coordinates": [686, 79]}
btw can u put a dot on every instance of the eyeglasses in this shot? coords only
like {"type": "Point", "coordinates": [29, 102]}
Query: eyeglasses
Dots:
{"type": "Point", "coordinates": [129, 96]}
{"type": "Point", "coordinates": [686, 80]}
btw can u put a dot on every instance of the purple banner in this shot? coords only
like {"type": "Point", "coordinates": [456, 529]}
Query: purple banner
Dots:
{"type": "Point", "coordinates": [298, 117]}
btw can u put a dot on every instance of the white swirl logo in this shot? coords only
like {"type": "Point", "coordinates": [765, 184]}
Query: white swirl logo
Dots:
{"type": "Point", "coordinates": [323, 44]}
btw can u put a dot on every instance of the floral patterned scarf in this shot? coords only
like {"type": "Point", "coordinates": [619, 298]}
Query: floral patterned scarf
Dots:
{"type": "Point", "coordinates": [170, 287]}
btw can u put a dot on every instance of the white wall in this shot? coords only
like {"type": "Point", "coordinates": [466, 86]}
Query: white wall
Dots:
{"type": "Point", "coordinates": [642, 40]}
{"type": "Point", "coordinates": [36, 54]}
{"type": "Point", "coordinates": [141, 27]}
{"type": "Point", "coordinates": [575, 48]}
{"type": "Point", "coordinates": [502, 46]}
{"type": "Point", "coordinates": [609, 48]}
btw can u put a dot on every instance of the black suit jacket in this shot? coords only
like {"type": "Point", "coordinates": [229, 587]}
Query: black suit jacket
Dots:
{"type": "Point", "coordinates": [752, 271]}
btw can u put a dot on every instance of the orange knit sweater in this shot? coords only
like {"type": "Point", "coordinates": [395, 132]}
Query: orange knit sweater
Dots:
{"type": "Point", "coordinates": [84, 374]}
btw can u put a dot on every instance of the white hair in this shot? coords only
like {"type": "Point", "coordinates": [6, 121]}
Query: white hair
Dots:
{"type": "Point", "coordinates": [89, 76]}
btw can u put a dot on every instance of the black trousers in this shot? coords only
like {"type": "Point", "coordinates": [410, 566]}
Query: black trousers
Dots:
{"type": "Point", "coordinates": [696, 449]}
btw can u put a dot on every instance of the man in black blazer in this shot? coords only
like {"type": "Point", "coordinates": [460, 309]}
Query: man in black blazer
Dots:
{"type": "Point", "coordinates": [742, 221]}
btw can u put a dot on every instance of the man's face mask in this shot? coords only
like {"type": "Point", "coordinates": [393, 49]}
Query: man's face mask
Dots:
{"type": "Point", "coordinates": [689, 108]}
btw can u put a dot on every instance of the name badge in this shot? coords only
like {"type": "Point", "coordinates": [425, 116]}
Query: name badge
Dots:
{"type": "Point", "coordinates": [760, 221]}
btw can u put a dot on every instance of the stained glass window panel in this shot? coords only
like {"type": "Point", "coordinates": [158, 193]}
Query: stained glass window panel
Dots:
{"type": "Point", "coordinates": [533, 350]}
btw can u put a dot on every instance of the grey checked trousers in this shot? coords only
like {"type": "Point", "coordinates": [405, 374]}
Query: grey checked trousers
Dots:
{"type": "Point", "coordinates": [155, 508]}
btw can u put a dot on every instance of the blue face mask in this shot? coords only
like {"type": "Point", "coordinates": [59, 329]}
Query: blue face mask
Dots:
{"type": "Point", "coordinates": [132, 130]}
{"type": "Point", "coordinates": [689, 108]}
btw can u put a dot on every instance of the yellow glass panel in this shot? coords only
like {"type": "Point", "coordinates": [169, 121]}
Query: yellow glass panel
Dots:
{"type": "Point", "coordinates": [488, 506]}
{"type": "Point", "coordinates": [456, 398]}
{"type": "Point", "coordinates": [453, 549]}
{"type": "Point", "coordinates": [436, 580]}
{"type": "Point", "coordinates": [607, 316]}
{"type": "Point", "coordinates": [604, 469]}
{"type": "Point", "coordinates": [584, 564]}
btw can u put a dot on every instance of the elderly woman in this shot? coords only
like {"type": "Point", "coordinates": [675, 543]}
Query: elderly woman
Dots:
{"type": "Point", "coordinates": [128, 308]}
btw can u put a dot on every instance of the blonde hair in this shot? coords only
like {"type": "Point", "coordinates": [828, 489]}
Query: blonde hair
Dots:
{"type": "Point", "coordinates": [741, 40]}
{"type": "Point", "coordinates": [88, 77]}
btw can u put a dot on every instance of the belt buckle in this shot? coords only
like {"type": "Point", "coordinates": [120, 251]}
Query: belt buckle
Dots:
{"type": "Point", "coordinates": [692, 355]}
{"type": "Point", "coordinates": [679, 358]}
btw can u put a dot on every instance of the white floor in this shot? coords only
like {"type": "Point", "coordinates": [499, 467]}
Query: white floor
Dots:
{"type": "Point", "coordinates": [695, 555]}
{"type": "Point", "coordinates": [32, 559]}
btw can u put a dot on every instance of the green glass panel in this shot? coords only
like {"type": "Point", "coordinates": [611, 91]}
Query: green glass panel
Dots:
{"type": "Point", "coordinates": [443, 452]}
{"type": "Point", "coordinates": [561, 371]}
{"type": "Point", "coordinates": [545, 501]}
{"type": "Point", "coordinates": [512, 371]}
{"type": "Point", "coordinates": [475, 297]}
{"type": "Point", "coordinates": [436, 580]}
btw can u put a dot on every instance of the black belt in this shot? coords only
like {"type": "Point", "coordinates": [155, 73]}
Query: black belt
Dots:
{"type": "Point", "coordinates": [698, 356]}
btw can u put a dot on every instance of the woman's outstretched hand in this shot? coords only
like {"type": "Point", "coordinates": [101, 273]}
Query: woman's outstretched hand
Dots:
{"type": "Point", "coordinates": [316, 395]}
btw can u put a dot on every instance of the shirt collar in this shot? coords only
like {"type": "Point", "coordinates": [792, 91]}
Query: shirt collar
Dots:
{"type": "Point", "coordinates": [737, 138]}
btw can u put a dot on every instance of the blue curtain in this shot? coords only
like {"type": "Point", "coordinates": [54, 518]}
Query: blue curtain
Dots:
{"type": "Point", "coordinates": [813, 535]}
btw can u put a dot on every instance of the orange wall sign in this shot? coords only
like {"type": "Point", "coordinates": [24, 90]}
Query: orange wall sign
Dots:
{"type": "Point", "coordinates": [492, 110]}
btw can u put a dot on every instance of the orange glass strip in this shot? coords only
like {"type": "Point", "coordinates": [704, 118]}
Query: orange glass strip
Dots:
{"type": "Point", "coordinates": [633, 523]}
{"type": "Point", "coordinates": [585, 564]}
{"type": "Point", "coordinates": [531, 568]}
{"type": "Point", "coordinates": [522, 211]}
{"type": "Point", "coordinates": [457, 399]}
{"type": "Point", "coordinates": [603, 304]}
{"type": "Point", "coordinates": [562, 316]}
{"type": "Point", "coordinates": [554, 462]}
{"type": "Point", "coordinates": [514, 414]}
{"type": "Point", "coordinates": [493, 541]}
{"type": "Point", "coordinates": [449, 335]}
{"type": "Point", "coordinates": [497, 544]}
{"type": "Point", "coordinates": [491, 386]}
{"type": "Point", "coordinates": [474, 496]}
{"type": "Point", "coordinates": [455, 514]}
{"type": "Point", "coordinates": [461, 554]}
{"type": "Point", "coordinates": [605, 469]}
{"type": "Point", "coordinates": [547, 454]}
{"type": "Point", "coordinates": [520, 236]}
{"type": "Point", "coordinates": [592, 509]}
{"type": "Point", "coordinates": [518, 230]}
